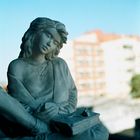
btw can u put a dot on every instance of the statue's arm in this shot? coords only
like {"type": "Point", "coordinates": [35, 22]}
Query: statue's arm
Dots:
{"type": "Point", "coordinates": [17, 89]}
{"type": "Point", "coordinates": [70, 105]}
{"type": "Point", "coordinates": [52, 109]}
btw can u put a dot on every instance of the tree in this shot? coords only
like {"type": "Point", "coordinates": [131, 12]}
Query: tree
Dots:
{"type": "Point", "coordinates": [135, 86]}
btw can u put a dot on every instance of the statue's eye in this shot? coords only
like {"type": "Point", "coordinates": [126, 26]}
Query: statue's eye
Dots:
{"type": "Point", "coordinates": [56, 42]}
{"type": "Point", "coordinates": [49, 35]}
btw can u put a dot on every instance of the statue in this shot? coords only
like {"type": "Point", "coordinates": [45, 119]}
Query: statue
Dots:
{"type": "Point", "coordinates": [40, 86]}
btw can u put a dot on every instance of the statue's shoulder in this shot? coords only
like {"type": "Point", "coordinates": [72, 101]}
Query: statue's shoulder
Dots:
{"type": "Point", "coordinates": [16, 63]}
{"type": "Point", "coordinates": [60, 61]}
{"type": "Point", "coordinates": [16, 66]}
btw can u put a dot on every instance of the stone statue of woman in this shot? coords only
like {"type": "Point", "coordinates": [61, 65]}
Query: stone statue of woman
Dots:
{"type": "Point", "coordinates": [41, 85]}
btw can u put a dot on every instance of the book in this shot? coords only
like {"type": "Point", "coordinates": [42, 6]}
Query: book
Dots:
{"type": "Point", "coordinates": [75, 123]}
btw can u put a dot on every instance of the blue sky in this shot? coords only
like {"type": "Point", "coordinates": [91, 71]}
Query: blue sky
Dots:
{"type": "Point", "coordinates": [115, 16]}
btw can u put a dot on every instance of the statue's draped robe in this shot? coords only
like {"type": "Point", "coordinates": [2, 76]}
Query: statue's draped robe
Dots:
{"type": "Point", "coordinates": [59, 88]}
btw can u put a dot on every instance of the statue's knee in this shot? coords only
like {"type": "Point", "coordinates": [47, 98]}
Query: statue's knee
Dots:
{"type": "Point", "coordinates": [100, 132]}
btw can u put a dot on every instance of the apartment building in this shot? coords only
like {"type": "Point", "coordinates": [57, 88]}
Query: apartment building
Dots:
{"type": "Point", "coordinates": [103, 63]}
{"type": "Point", "coordinates": [89, 65]}
{"type": "Point", "coordinates": [122, 61]}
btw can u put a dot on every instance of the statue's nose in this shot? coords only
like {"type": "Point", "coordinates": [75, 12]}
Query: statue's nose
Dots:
{"type": "Point", "coordinates": [49, 43]}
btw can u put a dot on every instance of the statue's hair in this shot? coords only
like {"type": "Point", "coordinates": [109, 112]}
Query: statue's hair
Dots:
{"type": "Point", "coordinates": [37, 26]}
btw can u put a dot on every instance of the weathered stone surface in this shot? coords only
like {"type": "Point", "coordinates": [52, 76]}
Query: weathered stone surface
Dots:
{"type": "Point", "coordinates": [41, 86]}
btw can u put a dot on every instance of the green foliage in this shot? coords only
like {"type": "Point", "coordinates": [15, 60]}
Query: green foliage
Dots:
{"type": "Point", "coordinates": [135, 86]}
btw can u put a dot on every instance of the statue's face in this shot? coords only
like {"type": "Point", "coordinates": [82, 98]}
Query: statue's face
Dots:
{"type": "Point", "coordinates": [46, 42]}
{"type": "Point", "coordinates": [63, 32]}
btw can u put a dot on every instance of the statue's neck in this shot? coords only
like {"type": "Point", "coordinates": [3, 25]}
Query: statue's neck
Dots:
{"type": "Point", "coordinates": [37, 59]}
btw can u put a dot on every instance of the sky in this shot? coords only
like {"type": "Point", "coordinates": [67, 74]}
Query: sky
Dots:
{"type": "Point", "coordinates": [79, 16]}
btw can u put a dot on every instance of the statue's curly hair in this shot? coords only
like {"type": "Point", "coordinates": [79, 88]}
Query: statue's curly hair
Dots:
{"type": "Point", "coordinates": [39, 25]}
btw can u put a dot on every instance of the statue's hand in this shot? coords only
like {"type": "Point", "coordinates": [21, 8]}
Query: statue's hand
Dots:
{"type": "Point", "coordinates": [47, 111]}
{"type": "Point", "coordinates": [51, 109]}
{"type": "Point", "coordinates": [40, 108]}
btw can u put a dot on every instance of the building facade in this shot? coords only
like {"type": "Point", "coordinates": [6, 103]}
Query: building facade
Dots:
{"type": "Point", "coordinates": [89, 65]}
{"type": "Point", "coordinates": [122, 61]}
{"type": "Point", "coordinates": [103, 64]}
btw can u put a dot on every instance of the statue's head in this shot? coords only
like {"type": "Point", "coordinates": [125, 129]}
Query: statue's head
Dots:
{"type": "Point", "coordinates": [43, 28]}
